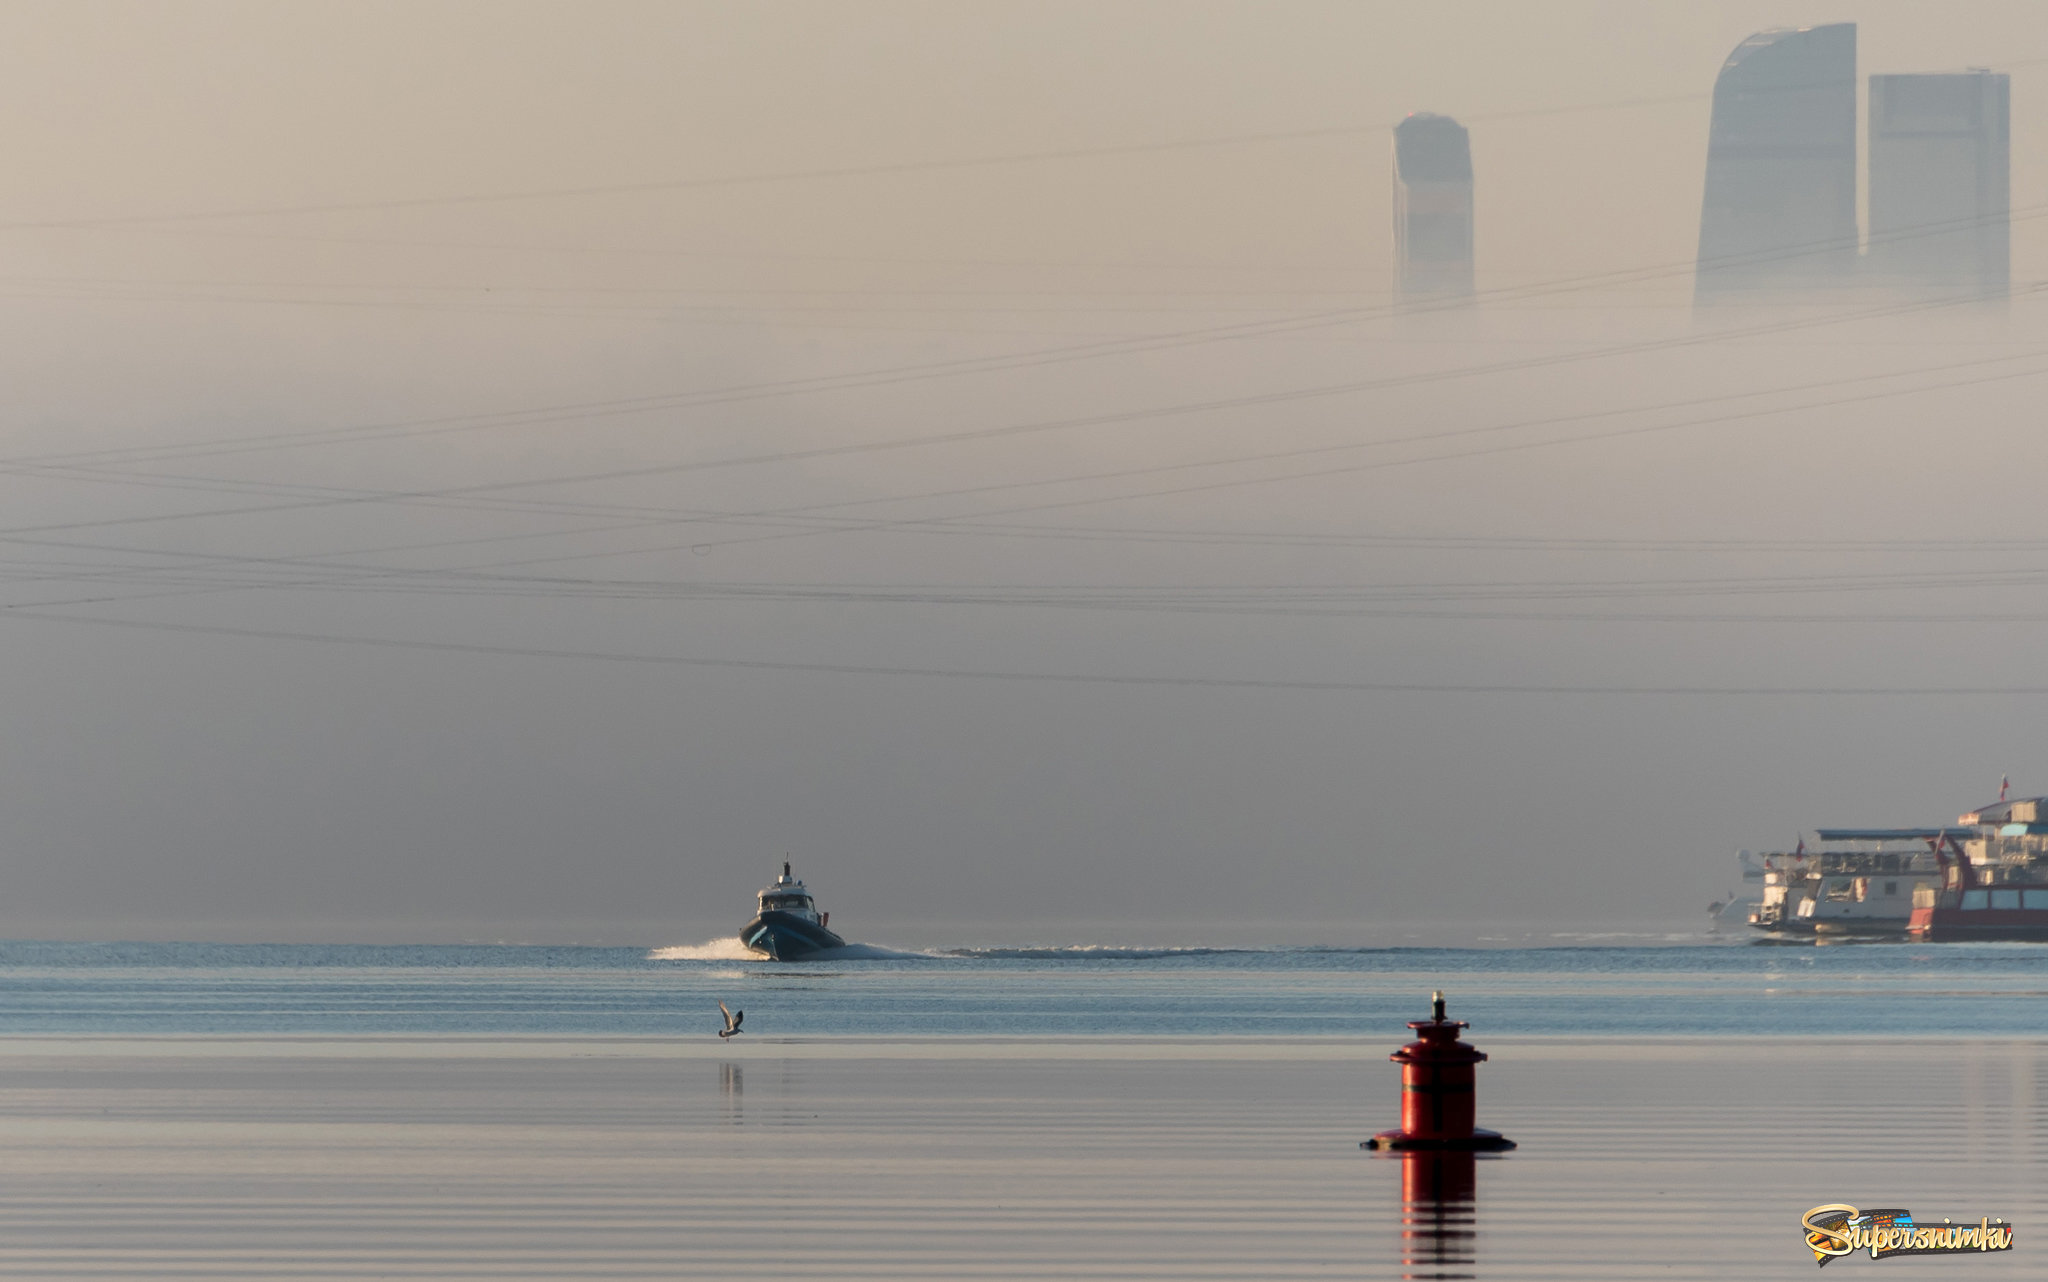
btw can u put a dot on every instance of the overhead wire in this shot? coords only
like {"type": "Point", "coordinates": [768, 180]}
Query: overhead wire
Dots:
{"type": "Point", "coordinates": [885, 525]}
{"type": "Point", "coordinates": [445, 579]}
{"type": "Point", "coordinates": [1209, 335]}
{"type": "Point", "coordinates": [873, 169]}
{"type": "Point", "coordinates": [956, 367]}
{"type": "Point", "coordinates": [927, 439]}
{"type": "Point", "coordinates": [812, 174]}
{"type": "Point", "coordinates": [377, 572]}
{"type": "Point", "coordinates": [1157, 680]}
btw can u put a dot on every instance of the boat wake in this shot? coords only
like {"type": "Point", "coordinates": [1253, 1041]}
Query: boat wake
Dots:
{"type": "Point", "coordinates": [729, 948]}
{"type": "Point", "coordinates": [725, 948]}
{"type": "Point", "coordinates": [1084, 952]}
{"type": "Point", "coordinates": [866, 952]}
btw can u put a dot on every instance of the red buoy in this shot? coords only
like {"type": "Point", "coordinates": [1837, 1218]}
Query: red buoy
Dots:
{"type": "Point", "coordinates": [1437, 1105]}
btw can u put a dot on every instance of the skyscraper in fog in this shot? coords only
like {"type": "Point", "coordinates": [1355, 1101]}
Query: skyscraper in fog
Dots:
{"type": "Point", "coordinates": [1780, 208]}
{"type": "Point", "coordinates": [1432, 206]}
{"type": "Point", "coordinates": [1939, 172]}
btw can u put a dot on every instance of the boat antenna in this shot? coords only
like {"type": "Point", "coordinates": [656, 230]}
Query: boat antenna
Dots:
{"type": "Point", "coordinates": [785, 866]}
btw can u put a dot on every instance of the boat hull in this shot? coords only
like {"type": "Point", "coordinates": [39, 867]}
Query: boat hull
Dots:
{"type": "Point", "coordinates": [1836, 926]}
{"type": "Point", "coordinates": [787, 937]}
{"type": "Point", "coordinates": [1935, 924]}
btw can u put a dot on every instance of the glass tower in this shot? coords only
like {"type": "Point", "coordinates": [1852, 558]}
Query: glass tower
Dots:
{"type": "Point", "coordinates": [1432, 207]}
{"type": "Point", "coordinates": [1780, 208]}
{"type": "Point", "coordinates": [1940, 163]}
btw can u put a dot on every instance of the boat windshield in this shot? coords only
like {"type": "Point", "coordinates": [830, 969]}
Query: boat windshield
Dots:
{"type": "Point", "coordinates": [798, 905]}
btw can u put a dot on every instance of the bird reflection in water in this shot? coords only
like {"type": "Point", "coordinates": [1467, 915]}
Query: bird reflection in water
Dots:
{"type": "Point", "coordinates": [1439, 1213]}
{"type": "Point", "coordinates": [732, 1089]}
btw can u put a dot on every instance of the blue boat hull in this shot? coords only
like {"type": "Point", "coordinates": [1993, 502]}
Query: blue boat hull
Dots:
{"type": "Point", "coordinates": [787, 937]}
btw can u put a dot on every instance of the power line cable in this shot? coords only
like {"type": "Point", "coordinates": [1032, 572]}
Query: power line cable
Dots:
{"type": "Point", "coordinates": [996, 675]}
{"type": "Point", "coordinates": [1259, 400]}
{"type": "Point", "coordinates": [356, 574]}
{"type": "Point", "coordinates": [976, 365]}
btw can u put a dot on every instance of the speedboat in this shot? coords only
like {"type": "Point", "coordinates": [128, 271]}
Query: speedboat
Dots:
{"type": "Point", "coordinates": [789, 925]}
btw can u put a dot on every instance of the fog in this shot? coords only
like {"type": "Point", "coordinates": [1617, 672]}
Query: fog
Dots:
{"type": "Point", "coordinates": [516, 471]}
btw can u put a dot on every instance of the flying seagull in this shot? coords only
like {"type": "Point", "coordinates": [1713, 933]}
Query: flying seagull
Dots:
{"type": "Point", "coordinates": [732, 1022]}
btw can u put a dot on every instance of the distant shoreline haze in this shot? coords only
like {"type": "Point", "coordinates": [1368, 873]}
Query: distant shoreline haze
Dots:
{"type": "Point", "coordinates": [527, 487]}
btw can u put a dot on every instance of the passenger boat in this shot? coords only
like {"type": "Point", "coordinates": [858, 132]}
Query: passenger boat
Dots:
{"type": "Point", "coordinates": [1983, 877]}
{"type": "Point", "coordinates": [789, 925]}
{"type": "Point", "coordinates": [1861, 881]}
{"type": "Point", "coordinates": [1997, 885]}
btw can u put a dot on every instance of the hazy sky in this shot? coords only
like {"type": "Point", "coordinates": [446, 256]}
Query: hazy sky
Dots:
{"type": "Point", "coordinates": [515, 470]}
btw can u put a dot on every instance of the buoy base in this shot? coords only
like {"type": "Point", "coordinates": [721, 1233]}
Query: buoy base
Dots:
{"type": "Point", "coordinates": [1479, 1141]}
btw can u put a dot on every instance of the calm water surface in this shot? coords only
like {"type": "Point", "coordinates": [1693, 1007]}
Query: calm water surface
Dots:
{"type": "Point", "coordinates": [209, 1111]}
{"type": "Point", "coordinates": [1710, 989]}
{"type": "Point", "coordinates": [1099, 1158]}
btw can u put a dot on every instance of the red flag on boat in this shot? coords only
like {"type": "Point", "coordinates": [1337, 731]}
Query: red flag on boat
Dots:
{"type": "Point", "coordinates": [2003, 784]}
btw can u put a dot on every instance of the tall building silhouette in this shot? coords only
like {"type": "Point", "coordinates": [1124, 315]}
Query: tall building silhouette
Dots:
{"type": "Point", "coordinates": [1940, 164]}
{"type": "Point", "coordinates": [1432, 207]}
{"type": "Point", "coordinates": [1780, 207]}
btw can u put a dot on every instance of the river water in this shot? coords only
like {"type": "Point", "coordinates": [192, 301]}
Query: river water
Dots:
{"type": "Point", "coordinates": [1903, 990]}
{"type": "Point", "coordinates": [206, 1111]}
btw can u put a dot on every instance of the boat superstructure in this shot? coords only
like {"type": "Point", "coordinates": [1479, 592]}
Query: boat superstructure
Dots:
{"type": "Point", "coordinates": [1859, 881]}
{"type": "Point", "coordinates": [1997, 886]}
{"type": "Point", "coordinates": [1983, 877]}
{"type": "Point", "coordinates": [788, 925]}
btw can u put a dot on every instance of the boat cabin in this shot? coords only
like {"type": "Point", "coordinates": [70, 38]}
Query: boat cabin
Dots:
{"type": "Point", "coordinates": [787, 895]}
{"type": "Point", "coordinates": [1864, 878]}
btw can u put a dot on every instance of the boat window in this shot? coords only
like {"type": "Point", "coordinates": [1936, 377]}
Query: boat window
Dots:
{"type": "Point", "coordinates": [1975, 898]}
{"type": "Point", "coordinates": [2034, 899]}
{"type": "Point", "coordinates": [2005, 899]}
{"type": "Point", "coordinates": [1841, 888]}
{"type": "Point", "coordinates": [1891, 889]}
